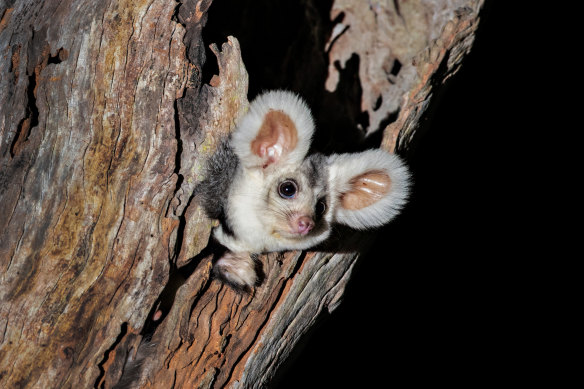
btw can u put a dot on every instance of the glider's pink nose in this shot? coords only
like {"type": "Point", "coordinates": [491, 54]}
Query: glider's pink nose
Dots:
{"type": "Point", "coordinates": [303, 225]}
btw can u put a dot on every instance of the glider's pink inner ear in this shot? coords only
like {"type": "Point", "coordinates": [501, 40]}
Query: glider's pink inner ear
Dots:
{"type": "Point", "coordinates": [366, 189]}
{"type": "Point", "coordinates": [277, 136]}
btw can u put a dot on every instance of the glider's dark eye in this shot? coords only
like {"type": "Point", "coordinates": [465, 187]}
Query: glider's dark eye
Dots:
{"type": "Point", "coordinates": [287, 189]}
{"type": "Point", "coordinates": [320, 208]}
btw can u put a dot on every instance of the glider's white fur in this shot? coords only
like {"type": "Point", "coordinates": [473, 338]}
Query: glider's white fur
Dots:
{"type": "Point", "coordinates": [261, 219]}
{"type": "Point", "coordinates": [344, 167]}
{"type": "Point", "coordinates": [247, 130]}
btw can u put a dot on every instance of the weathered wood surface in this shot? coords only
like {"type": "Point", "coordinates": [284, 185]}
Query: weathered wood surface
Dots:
{"type": "Point", "coordinates": [104, 126]}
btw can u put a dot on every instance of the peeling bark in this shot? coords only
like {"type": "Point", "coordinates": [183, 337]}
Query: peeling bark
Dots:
{"type": "Point", "coordinates": [108, 111]}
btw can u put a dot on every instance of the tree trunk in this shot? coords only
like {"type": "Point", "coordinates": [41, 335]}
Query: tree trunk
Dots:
{"type": "Point", "coordinates": [108, 111]}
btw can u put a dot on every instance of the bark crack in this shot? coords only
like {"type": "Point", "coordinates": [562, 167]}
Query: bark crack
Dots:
{"type": "Point", "coordinates": [210, 326]}
{"type": "Point", "coordinates": [165, 301]}
{"type": "Point", "coordinates": [16, 247]}
{"type": "Point", "coordinates": [31, 118]}
{"type": "Point", "coordinates": [99, 380]}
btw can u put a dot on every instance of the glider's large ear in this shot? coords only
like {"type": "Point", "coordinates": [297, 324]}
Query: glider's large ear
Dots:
{"type": "Point", "coordinates": [370, 188]}
{"type": "Point", "coordinates": [276, 130]}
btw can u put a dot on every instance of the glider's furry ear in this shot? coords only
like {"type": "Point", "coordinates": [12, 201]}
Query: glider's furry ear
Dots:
{"type": "Point", "coordinates": [276, 130]}
{"type": "Point", "coordinates": [370, 187]}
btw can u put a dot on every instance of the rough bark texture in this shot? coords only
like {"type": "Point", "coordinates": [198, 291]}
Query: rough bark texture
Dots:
{"type": "Point", "coordinates": [107, 113]}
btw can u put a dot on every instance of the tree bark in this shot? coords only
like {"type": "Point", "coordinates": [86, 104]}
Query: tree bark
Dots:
{"type": "Point", "coordinates": [108, 111]}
